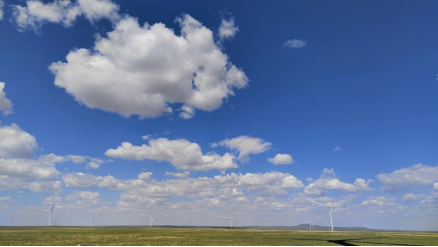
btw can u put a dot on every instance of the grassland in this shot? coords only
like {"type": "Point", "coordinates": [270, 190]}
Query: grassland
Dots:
{"type": "Point", "coordinates": [202, 236]}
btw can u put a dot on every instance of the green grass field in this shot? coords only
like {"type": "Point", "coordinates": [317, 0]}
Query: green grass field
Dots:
{"type": "Point", "coordinates": [202, 236]}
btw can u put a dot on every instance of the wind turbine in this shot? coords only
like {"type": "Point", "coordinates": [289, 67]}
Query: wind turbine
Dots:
{"type": "Point", "coordinates": [230, 217]}
{"type": "Point", "coordinates": [151, 221]}
{"type": "Point", "coordinates": [50, 213]}
{"type": "Point", "coordinates": [310, 225]}
{"type": "Point", "coordinates": [10, 221]}
{"type": "Point", "coordinates": [330, 208]}
{"type": "Point", "coordinates": [91, 221]}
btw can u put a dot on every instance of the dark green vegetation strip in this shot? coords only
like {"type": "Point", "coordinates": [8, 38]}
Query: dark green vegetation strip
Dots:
{"type": "Point", "coordinates": [202, 236]}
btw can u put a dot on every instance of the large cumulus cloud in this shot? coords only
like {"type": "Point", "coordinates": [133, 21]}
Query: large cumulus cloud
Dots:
{"type": "Point", "coordinates": [143, 70]}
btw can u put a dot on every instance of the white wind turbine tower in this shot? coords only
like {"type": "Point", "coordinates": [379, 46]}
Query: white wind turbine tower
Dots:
{"type": "Point", "coordinates": [151, 221]}
{"type": "Point", "coordinates": [310, 225]}
{"type": "Point", "coordinates": [330, 208]}
{"type": "Point", "coordinates": [91, 221]}
{"type": "Point", "coordinates": [50, 213]}
{"type": "Point", "coordinates": [10, 221]}
{"type": "Point", "coordinates": [230, 217]}
{"type": "Point", "coordinates": [368, 226]}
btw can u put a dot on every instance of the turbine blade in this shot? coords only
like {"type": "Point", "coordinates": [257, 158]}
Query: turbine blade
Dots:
{"type": "Point", "coordinates": [317, 202]}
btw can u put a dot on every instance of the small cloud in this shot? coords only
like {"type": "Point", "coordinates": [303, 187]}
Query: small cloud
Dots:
{"type": "Point", "coordinates": [228, 29]}
{"type": "Point", "coordinates": [5, 103]}
{"type": "Point", "coordinates": [245, 145]}
{"type": "Point", "coordinates": [337, 148]}
{"type": "Point", "coordinates": [146, 137]}
{"type": "Point", "coordinates": [187, 112]}
{"type": "Point", "coordinates": [295, 43]}
{"type": "Point", "coordinates": [92, 165]}
{"type": "Point", "coordinates": [144, 175]}
{"type": "Point", "coordinates": [281, 159]}
{"type": "Point", "coordinates": [412, 197]}
{"type": "Point", "coordinates": [6, 198]}
{"type": "Point", "coordinates": [1, 9]}
{"type": "Point", "coordinates": [178, 174]}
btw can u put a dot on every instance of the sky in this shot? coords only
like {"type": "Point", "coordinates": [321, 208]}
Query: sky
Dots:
{"type": "Point", "coordinates": [194, 111]}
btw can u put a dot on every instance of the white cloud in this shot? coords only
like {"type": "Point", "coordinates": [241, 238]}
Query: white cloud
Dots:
{"type": "Point", "coordinates": [412, 197]}
{"type": "Point", "coordinates": [55, 159]}
{"type": "Point", "coordinates": [141, 70]}
{"type": "Point", "coordinates": [329, 181]}
{"type": "Point", "coordinates": [5, 103]}
{"type": "Point", "coordinates": [428, 200]}
{"type": "Point", "coordinates": [83, 180]}
{"type": "Point", "coordinates": [379, 201]}
{"type": "Point", "coordinates": [267, 184]}
{"type": "Point", "coordinates": [281, 159]}
{"type": "Point", "coordinates": [37, 13]}
{"type": "Point", "coordinates": [144, 175]}
{"type": "Point", "coordinates": [415, 175]}
{"type": "Point", "coordinates": [80, 180]}
{"type": "Point", "coordinates": [291, 182]}
{"type": "Point", "coordinates": [4, 198]}
{"type": "Point", "coordinates": [178, 174]}
{"type": "Point", "coordinates": [84, 197]}
{"type": "Point", "coordinates": [261, 178]}
{"type": "Point", "coordinates": [295, 43]}
{"type": "Point", "coordinates": [20, 169]}
{"type": "Point", "coordinates": [16, 143]}
{"type": "Point", "coordinates": [45, 186]}
{"type": "Point", "coordinates": [52, 199]}
{"type": "Point", "coordinates": [245, 145]}
{"type": "Point", "coordinates": [92, 165]}
{"type": "Point", "coordinates": [1, 10]}
{"type": "Point", "coordinates": [183, 154]}
{"type": "Point", "coordinates": [229, 192]}
{"type": "Point", "coordinates": [8, 183]}
{"type": "Point", "coordinates": [187, 112]}
{"type": "Point", "coordinates": [77, 159]}
{"type": "Point", "coordinates": [24, 168]}
{"type": "Point", "coordinates": [228, 29]}
{"type": "Point", "coordinates": [312, 189]}
{"type": "Point", "coordinates": [337, 148]}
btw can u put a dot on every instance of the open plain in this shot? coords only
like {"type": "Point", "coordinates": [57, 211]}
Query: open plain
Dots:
{"type": "Point", "coordinates": [203, 236]}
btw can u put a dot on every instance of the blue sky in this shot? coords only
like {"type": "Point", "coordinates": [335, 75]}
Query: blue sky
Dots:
{"type": "Point", "coordinates": [360, 76]}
